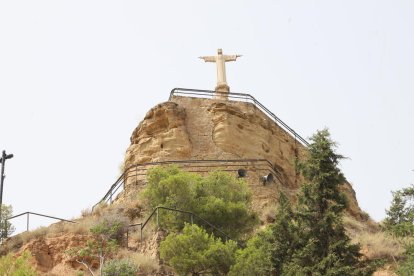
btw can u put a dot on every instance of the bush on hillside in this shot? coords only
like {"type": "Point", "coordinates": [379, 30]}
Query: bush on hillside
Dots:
{"type": "Point", "coordinates": [6, 228]}
{"type": "Point", "coordinates": [219, 198]}
{"type": "Point", "coordinates": [400, 216]}
{"type": "Point", "coordinates": [10, 265]}
{"type": "Point", "coordinates": [119, 268]}
{"type": "Point", "coordinates": [255, 259]}
{"type": "Point", "coordinates": [106, 236]}
{"type": "Point", "coordinates": [406, 268]}
{"type": "Point", "coordinates": [196, 252]}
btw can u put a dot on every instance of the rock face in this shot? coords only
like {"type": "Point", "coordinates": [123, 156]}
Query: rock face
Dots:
{"type": "Point", "coordinates": [161, 135]}
{"type": "Point", "coordinates": [188, 129]}
{"type": "Point", "coordinates": [49, 253]}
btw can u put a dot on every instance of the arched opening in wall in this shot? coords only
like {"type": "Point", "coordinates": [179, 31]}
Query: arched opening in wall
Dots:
{"type": "Point", "coordinates": [162, 145]}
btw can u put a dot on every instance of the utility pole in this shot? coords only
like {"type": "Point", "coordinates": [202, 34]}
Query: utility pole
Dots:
{"type": "Point", "coordinates": [3, 159]}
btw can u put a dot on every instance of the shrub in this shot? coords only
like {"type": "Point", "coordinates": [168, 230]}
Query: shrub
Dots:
{"type": "Point", "coordinates": [400, 217]}
{"type": "Point", "coordinates": [406, 268]}
{"type": "Point", "coordinates": [119, 268]}
{"type": "Point", "coordinates": [219, 198]}
{"type": "Point", "coordinates": [255, 259]}
{"type": "Point", "coordinates": [9, 265]}
{"type": "Point", "coordinates": [195, 251]}
{"type": "Point", "coordinates": [106, 237]}
{"type": "Point", "coordinates": [6, 228]}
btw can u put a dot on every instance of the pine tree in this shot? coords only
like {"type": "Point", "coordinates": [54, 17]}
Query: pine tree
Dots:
{"type": "Point", "coordinates": [285, 235]}
{"type": "Point", "coordinates": [323, 247]}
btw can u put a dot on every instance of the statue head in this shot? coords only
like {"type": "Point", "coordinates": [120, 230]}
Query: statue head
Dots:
{"type": "Point", "coordinates": [219, 51]}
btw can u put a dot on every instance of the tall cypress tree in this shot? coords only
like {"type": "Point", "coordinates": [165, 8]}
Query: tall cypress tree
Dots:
{"type": "Point", "coordinates": [324, 249]}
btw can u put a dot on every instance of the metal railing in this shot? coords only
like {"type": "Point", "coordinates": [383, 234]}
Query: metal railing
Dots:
{"type": "Point", "coordinates": [155, 212]}
{"type": "Point", "coordinates": [192, 216]}
{"type": "Point", "coordinates": [139, 170]}
{"type": "Point", "coordinates": [37, 214]}
{"type": "Point", "coordinates": [197, 93]}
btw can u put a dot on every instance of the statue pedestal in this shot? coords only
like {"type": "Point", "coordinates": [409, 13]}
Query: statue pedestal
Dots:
{"type": "Point", "coordinates": [223, 88]}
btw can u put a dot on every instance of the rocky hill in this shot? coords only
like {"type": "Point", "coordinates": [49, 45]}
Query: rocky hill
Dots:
{"type": "Point", "coordinates": [187, 128]}
{"type": "Point", "coordinates": [198, 135]}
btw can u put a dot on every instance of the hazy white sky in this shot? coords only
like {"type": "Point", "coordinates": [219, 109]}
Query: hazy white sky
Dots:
{"type": "Point", "coordinates": [76, 77]}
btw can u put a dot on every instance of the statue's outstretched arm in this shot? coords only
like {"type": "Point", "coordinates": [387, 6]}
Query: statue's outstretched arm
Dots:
{"type": "Point", "coordinates": [209, 58]}
{"type": "Point", "coordinates": [231, 58]}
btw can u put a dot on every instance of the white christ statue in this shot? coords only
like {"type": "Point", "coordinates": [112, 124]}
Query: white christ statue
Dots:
{"type": "Point", "coordinates": [220, 61]}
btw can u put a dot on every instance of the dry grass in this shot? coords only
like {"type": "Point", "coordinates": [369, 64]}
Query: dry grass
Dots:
{"type": "Point", "coordinates": [86, 212]}
{"type": "Point", "coordinates": [147, 265]}
{"type": "Point", "coordinates": [19, 240]}
{"type": "Point", "coordinates": [375, 244]}
{"type": "Point", "coordinates": [380, 246]}
{"type": "Point", "coordinates": [135, 210]}
{"type": "Point", "coordinates": [81, 227]}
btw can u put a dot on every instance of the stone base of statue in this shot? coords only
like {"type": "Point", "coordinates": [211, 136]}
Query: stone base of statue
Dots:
{"type": "Point", "coordinates": [224, 89]}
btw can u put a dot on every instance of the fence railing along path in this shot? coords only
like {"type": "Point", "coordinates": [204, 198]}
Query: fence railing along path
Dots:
{"type": "Point", "coordinates": [228, 165]}
{"type": "Point", "coordinates": [27, 214]}
{"type": "Point", "coordinates": [197, 93]}
{"type": "Point", "coordinates": [192, 218]}
{"type": "Point", "coordinates": [155, 213]}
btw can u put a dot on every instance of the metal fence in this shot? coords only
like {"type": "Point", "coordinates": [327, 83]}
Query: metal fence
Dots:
{"type": "Point", "coordinates": [155, 213]}
{"type": "Point", "coordinates": [209, 94]}
{"type": "Point", "coordinates": [192, 217]}
{"type": "Point", "coordinates": [200, 166]}
{"type": "Point", "coordinates": [27, 214]}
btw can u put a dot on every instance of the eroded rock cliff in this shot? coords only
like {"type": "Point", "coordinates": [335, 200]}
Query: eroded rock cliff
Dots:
{"type": "Point", "coordinates": [188, 128]}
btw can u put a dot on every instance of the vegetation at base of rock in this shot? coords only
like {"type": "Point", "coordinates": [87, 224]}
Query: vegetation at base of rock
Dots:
{"type": "Point", "coordinates": [219, 198]}
{"type": "Point", "coordinates": [400, 216]}
{"type": "Point", "coordinates": [399, 222]}
{"type": "Point", "coordinates": [6, 228]}
{"type": "Point", "coordinates": [196, 252]}
{"type": "Point", "coordinates": [255, 259]}
{"type": "Point", "coordinates": [10, 265]}
{"type": "Point", "coordinates": [406, 268]}
{"type": "Point", "coordinates": [106, 237]}
{"type": "Point", "coordinates": [119, 268]}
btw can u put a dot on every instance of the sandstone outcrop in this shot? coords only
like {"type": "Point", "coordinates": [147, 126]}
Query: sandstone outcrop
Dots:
{"type": "Point", "coordinates": [187, 128]}
{"type": "Point", "coordinates": [161, 135]}
{"type": "Point", "coordinates": [49, 254]}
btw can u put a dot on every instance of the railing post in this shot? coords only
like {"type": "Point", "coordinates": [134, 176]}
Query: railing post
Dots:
{"type": "Point", "coordinates": [27, 222]}
{"type": "Point", "coordinates": [158, 220]}
{"type": "Point", "coordinates": [192, 219]}
{"type": "Point", "coordinates": [141, 234]}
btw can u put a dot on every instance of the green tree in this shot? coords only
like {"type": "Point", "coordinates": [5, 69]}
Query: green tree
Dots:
{"type": "Point", "coordinates": [255, 259]}
{"type": "Point", "coordinates": [20, 266]}
{"type": "Point", "coordinates": [400, 223]}
{"type": "Point", "coordinates": [400, 216]}
{"type": "Point", "coordinates": [323, 247]}
{"type": "Point", "coordinates": [224, 201]}
{"type": "Point", "coordinates": [106, 236]}
{"type": "Point", "coordinates": [221, 199]}
{"type": "Point", "coordinates": [196, 252]}
{"type": "Point", "coordinates": [285, 237]}
{"type": "Point", "coordinates": [6, 228]}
